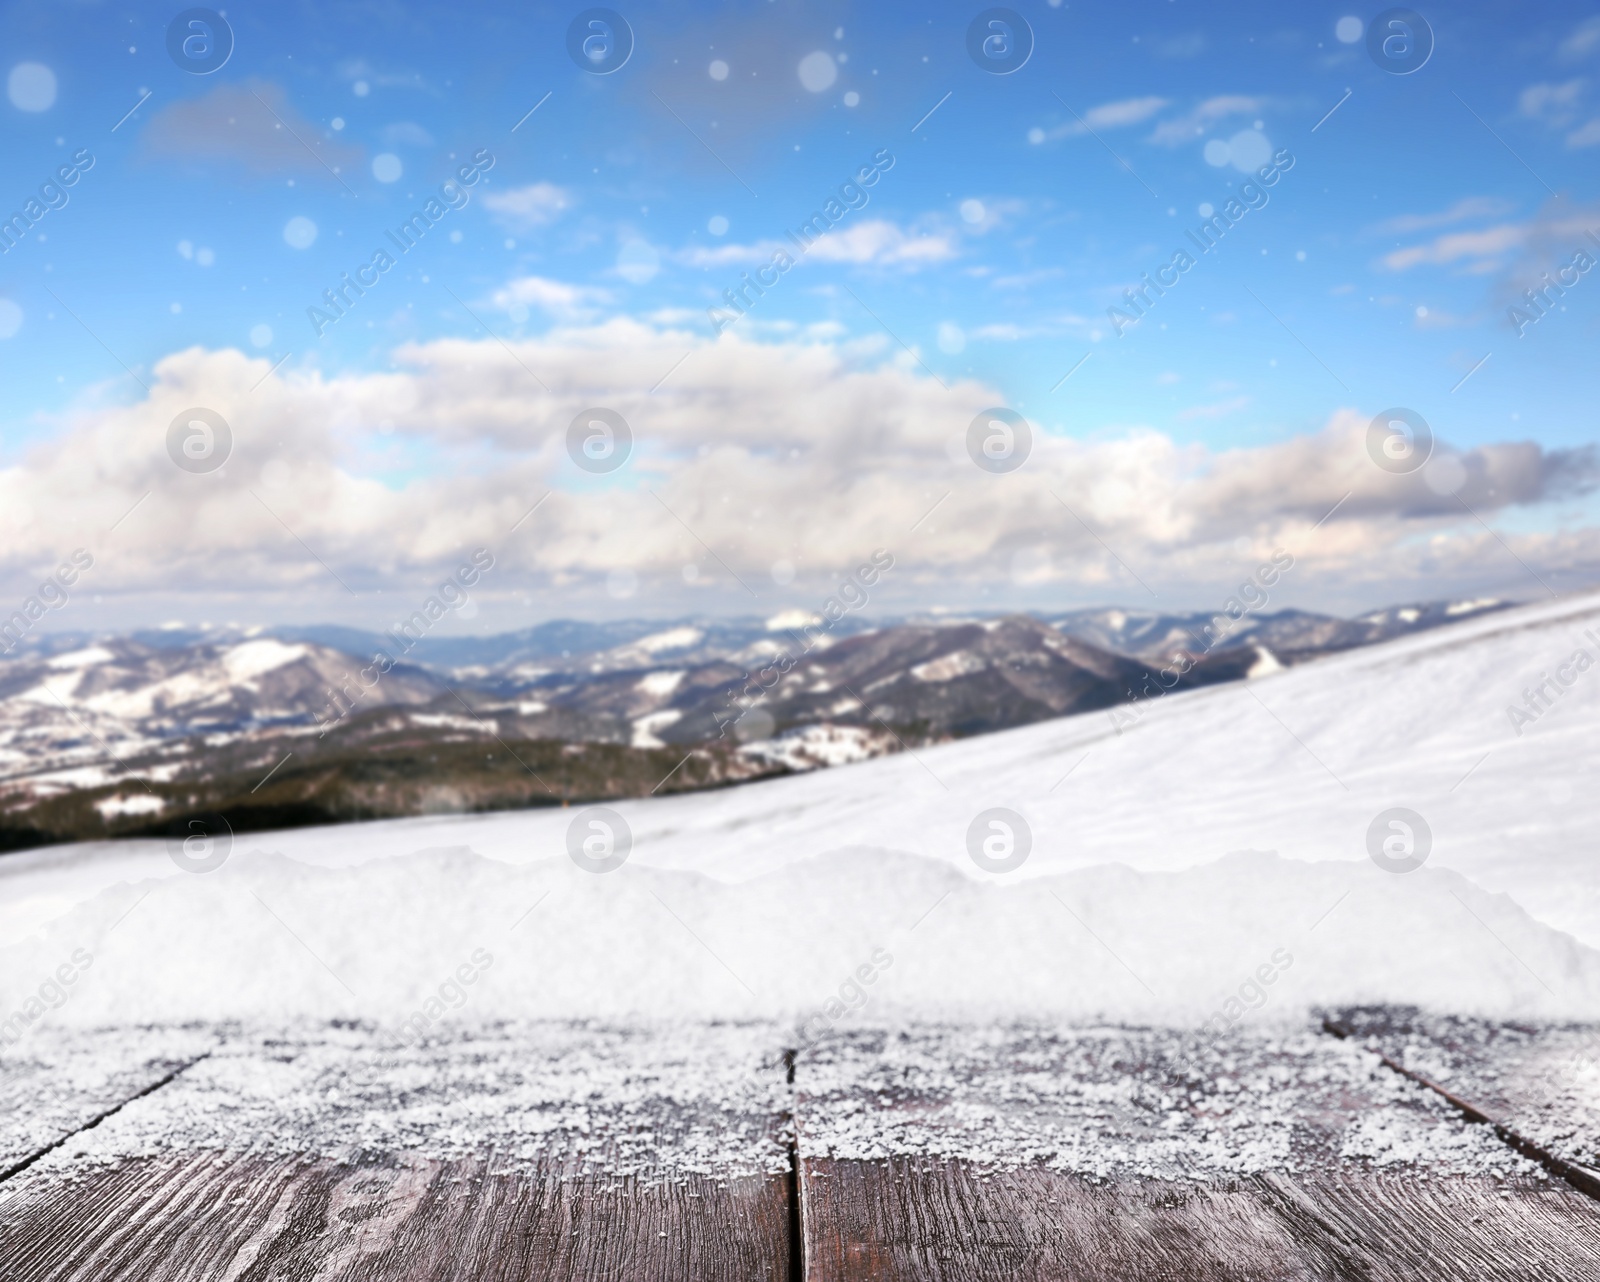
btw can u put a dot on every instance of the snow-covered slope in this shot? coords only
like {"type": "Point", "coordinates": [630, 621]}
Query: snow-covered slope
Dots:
{"type": "Point", "coordinates": [773, 895]}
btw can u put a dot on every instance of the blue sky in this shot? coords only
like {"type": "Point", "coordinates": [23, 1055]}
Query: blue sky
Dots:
{"type": "Point", "coordinates": [1377, 273]}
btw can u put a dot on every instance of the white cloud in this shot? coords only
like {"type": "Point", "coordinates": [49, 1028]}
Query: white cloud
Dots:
{"type": "Point", "coordinates": [1187, 46]}
{"type": "Point", "coordinates": [1584, 40]}
{"type": "Point", "coordinates": [1002, 333]}
{"type": "Point", "coordinates": [733, 254]}
{"type": "Point", "coordinates": [1463, 209]}
{"type": "Point", "coordinates": [359, 69]}
{"type": "Point", "coordinates": [1560, 106]}
{"type": "Point", "coordinates": [1454, 246]}
{"type": "Point", "coordinates": [1553, 104]}
{"type": "Point", "coordinates": [555, 297]}
{"type": "Point", "coordinates": [1552, 237]}
{"type": "Point", "coordinates": [875, 242]}
{"type": "Point", "coordinates": [992, 212]}
{"type": "Point", "coordinates": [1027, 280]}
{"type": "Point", "coordinates": [760, 448]}
{"type": "Point", "coordinates": [883, 244]}
{"type": "Point", "coordinates": [1585, 135]}
{"type": "Point", "coordinates": [406, 133]}
{"type": "Point", "coordinates": [1109, 115]}
{"type": "Point", "coordinates": [638, 261]}
{"type": "Point", "coordinates": [1194, 124]}
{"type": "Point", "coordinates": [1556, 230]}
{"type": "Point", "coordinates": [1217, 409]}
{"type": "Point", "coordinates": [1438, 318]}
{"type": "Point", "coordinates": [525, 208]}
{"type": "Point", "coordinates": [228, 126]}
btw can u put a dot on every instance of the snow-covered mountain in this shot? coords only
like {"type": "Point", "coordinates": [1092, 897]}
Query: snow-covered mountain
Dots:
{"type": "Point", "coordinates": [512, 659]}
{"type": "Point", "coordinates": [1290, 635]}
{"type": "Point", "coordinates": [115, 699]}
{"type": "Point", "coordinates": [123, 738]}
{"type": "Point", "coordinates": [141, 727]}
{"type": "Point", "coordinates": [925, 681]}
{"type": "Point", "coordinates": [87, 707]}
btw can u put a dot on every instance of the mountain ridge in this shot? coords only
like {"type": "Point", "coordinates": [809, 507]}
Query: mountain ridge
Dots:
{"type": "Point", "coordinates": [126, 734]}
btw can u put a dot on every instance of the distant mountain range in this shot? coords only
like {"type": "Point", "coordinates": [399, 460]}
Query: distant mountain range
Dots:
{"type": "Point", "coordinates": [114, 735]}
{"type": "Point", "coordinates": [1291, 635]}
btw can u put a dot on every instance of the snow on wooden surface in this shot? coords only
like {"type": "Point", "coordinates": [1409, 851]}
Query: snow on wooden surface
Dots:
{"type": "Point", "coordinates": [920, 1151]}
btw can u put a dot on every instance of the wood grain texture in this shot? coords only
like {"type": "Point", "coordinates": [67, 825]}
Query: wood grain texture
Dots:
{"type": "Point", "coordinates": [204, 1217]}
{"type": "Point", "coordinates": [949, 1222]}
{"type": "Point", "coordinates": [1403, 1226]}
{"type": "Point", "coordinates": [548, 1151]}
{"type": "Point", "coordinates": [1104, 1154]}
{"type": "Point", "coordinates": [936, 1154]}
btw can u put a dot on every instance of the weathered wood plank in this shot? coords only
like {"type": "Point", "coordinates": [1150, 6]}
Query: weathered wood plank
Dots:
{"type": "Point", "coordinates": [902, 1218]}
{"type": "Point", "coordinates": [1120, 1154]}
{"type": "Point", "coordinates": [202, 1217]}
{"type": "Point", "coordinates": [53, 1083]}
{"type": "Point", "coordinates": [1540, 1081]}
{"type": "Point", "coordinates": [1396, 1227]}
{"type": "Point", "coordinates": [952, 1222]}
{"type": "Point", "coordinates": [550, 1152]}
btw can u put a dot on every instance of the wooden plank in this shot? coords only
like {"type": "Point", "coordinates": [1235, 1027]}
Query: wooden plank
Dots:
{"type": "Point", "coordinates": [953, 1222]}
{"type": "Point", "coordinates": [1405, 1226]}
{"type": "Point", "coordinates": [904, 1218]}
{"type": "Point", "coordinates": [1539, 1082]}
{"type": "Point", "coordinates": [1117, 1154]}
{"type": "Point", "coordinates": [54, 1082]}
{"type": "Point", "coordinates": [203, 1217]}
{"type": "Point", "coordinates": [549, 1152]}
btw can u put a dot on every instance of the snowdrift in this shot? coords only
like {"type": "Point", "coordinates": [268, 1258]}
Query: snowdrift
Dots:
{"type": "Point", "coordinates": [421, 942]}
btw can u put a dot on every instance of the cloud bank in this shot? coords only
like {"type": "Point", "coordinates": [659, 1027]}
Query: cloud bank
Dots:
{"type": "Point", "coordinates": [746, 455]}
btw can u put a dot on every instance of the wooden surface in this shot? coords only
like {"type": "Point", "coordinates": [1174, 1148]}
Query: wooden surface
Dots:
{"type": "Point", "coordinates": [900, 1218]}
{"type": "Point", "coordinates": [201, 1217]}
{"type": "Point", "coordinates": [1409, 1226]}
{"type": "Point", "coordinates": [52, 1085]}
{"type": "Point", "coordinates": [1328, 1195]}
{"type": "Point", "coordinates": [349, 1156]}
{"type": "Point", "coordinates": [891, 1220]}
{"type": "Point", "coordinates": [1541, 1082]}
{"type": "Point", "coordinates": [570, 1152]}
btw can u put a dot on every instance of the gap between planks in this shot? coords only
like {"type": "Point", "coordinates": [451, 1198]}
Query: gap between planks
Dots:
{"type": "Point", "coordinates": [792, 1182]}
{"type": "Point", "coordinates": [17, 1168]}
{"type": "Point", "coordinates": [1581, 1178]}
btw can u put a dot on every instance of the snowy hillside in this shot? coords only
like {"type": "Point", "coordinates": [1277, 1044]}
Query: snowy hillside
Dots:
{"type": "Point", "coordinates": [705, 913]}
{"type": "Point", "coordinates": [124, 736]}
